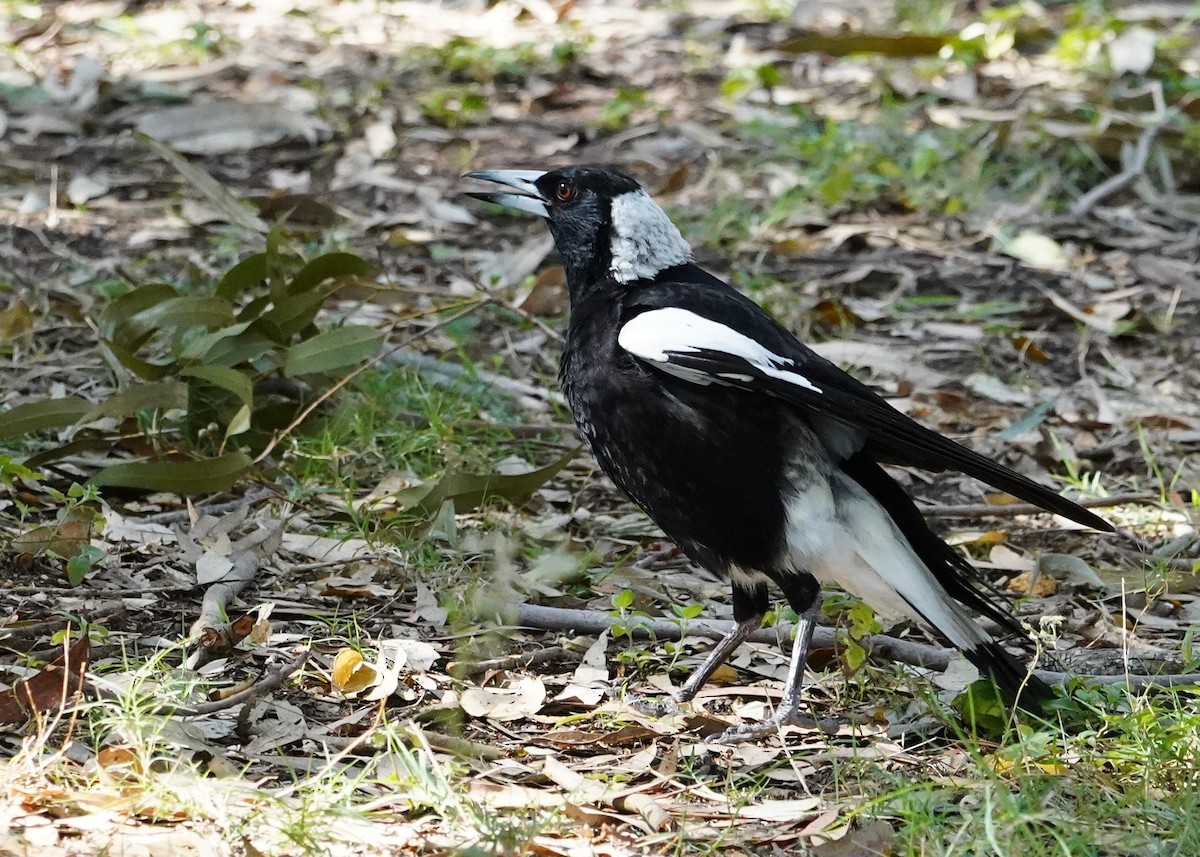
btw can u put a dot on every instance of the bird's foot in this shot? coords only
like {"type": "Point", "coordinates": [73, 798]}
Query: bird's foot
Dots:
{"type": "Point", "coordinates": [760, 729]}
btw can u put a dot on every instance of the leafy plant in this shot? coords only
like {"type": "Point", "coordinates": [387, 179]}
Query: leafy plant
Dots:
{"type": "Point", "coordinates": [197, 373]}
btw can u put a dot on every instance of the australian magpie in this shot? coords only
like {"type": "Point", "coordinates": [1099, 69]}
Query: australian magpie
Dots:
{"type": "Point", "coordinates": [759, 458]}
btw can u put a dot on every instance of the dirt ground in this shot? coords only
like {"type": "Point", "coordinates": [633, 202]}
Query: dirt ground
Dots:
{"type": "Point", "coordinates": [1050, 328]}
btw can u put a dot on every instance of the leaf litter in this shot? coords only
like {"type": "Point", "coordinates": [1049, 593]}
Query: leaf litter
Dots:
{"type": "Point", "coordinates": [1019, 310]}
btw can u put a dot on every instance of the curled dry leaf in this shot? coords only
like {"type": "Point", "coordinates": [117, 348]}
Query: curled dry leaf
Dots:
{"type": "Point", "coordinates": [350, 673]}
{"type": "Point", "coordinates": [520, 698]}
{"type": "Point", "coordinates": [50, 689]}
{"type": "Point", "coordinates": [590, 681]}
{"type": "Point", "coordinates": [1033, 583]}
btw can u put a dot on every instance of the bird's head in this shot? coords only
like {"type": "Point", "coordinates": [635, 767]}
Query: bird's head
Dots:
{"type": "Point", "coordinates": [604, 224]}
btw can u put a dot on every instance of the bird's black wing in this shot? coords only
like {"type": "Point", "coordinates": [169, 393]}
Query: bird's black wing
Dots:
{"type": "Point", "coordinates": [697, 328]}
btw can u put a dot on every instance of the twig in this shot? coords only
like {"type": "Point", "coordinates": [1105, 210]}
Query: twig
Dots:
{"type": "Point", "coordinates": [270, 682]}
{"type": "Point", "coordinates": [593, 622]}
{"type": "Point", "coordinates": [881, 645]}
{"type": "Point", "coordinates": [522, 660]}
{"type": "Point", "coordinates": [463, 747]}
{"type": "Point", "coordinates": [33, 630]}
{"type": "Point", "coordinates": [1005, 510]}
{"type": "Point", "coordinates": [1123, 179]}
{"type": "Point", "coordinates": [178, 516]}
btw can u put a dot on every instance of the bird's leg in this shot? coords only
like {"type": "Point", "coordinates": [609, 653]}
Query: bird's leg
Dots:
{"type": "Point", "coordinates": [720, 653]}
{"type": "Point", "coordinates": [788, 712]}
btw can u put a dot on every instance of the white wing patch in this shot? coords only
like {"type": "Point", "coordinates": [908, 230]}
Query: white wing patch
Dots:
{"type": "Point", "coordinates": [658, 334]}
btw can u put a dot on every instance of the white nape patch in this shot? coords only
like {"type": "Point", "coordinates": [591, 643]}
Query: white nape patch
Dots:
{"type": "Point", "coordinates": [657, 334]}
{"type": "Point", "coordinates": [644, 240]}
{"type": "Point", "coordinates": [840, 534]}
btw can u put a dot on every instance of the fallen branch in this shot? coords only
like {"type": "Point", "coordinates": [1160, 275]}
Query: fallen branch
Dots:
{"type": "Point", "coordinates": [519, 661]}
{"type": "Point", "coordinates": [1004, 510]}
{"type": "Point", "coordinates": [593, 622]}
{"type": "Point", "coordinates": [878, 645]}
{"type": "Point", "coordinates": [214, 631]}
{"type": "Point", "coordinates": [1123, 179]}
{"type": "Point", "coordinates": [272, 680]}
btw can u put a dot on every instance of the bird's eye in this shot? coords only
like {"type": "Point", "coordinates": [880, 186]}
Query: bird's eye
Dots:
{"type": "Point", "coordinates": [565, 191]}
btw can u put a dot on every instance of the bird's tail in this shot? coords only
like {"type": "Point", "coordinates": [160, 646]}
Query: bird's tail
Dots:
{"type": "Point", "coordinates": [1017, 684]}
{"type": "Point", "coordinates": [942, 601]}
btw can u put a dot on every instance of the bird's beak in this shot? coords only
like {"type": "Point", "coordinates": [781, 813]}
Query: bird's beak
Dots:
{"type": "Point", "coordinates": [527, 198]}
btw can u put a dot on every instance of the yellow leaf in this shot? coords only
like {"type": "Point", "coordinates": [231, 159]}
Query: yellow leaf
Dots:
{"type": "Point", "coordinates": [725, 674]}
{"type": "Point", "coordinates": [350, 674]}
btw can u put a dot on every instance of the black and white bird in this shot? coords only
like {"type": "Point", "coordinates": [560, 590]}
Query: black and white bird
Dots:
{"type": "Point", "coordinates": [759, 458]}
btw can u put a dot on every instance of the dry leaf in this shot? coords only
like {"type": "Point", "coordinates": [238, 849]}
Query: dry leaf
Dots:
{"type": "Point", "coordinates": [1033, 583]}
{"type": "Point", "coordinates": [1132, 51]}
{"type": "Point", "coordinates": [222, 127]}
{"type": "Point", "coordinates": [520, 698]}
{"type": "Point", "coordinates": [590, 681]}
{"type": "Point", "coordinates": [350, 674]}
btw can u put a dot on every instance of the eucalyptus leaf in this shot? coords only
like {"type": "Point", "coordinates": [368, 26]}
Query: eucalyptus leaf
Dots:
{"type": "Point", "coordinates": [333, 349]}
{"type": "Point", "coordinates": [235, 210]}
{"type": "Point", "coordinates": [242, 277]}
{"type": "Point", "coordinates": [232, 380]}
{"type": "Point", "coordinates": [39, 416]}
{"type": "Point", "coordinates": [470, 491]}
{"type": "Point", "coordinates": [154, 396]}
{"type": "Point", "coordinates": [201, 476]}
{"type": "Point", "coordinates": [143, 369]}
{"type": "Point", "coordinates": [121, 311]}
{"type": "Point", "coordinates": [326, 267]}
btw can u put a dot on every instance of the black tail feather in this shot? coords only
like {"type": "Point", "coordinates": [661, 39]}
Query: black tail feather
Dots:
{"type": "Point", "coordinates": [1015, 682]}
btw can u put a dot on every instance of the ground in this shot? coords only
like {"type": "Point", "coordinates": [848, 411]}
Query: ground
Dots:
{"type": "Point", "coordinates": [260, 600]}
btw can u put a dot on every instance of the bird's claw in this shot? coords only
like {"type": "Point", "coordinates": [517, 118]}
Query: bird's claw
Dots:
{"type": "Point", "coordinates": [748, 732]}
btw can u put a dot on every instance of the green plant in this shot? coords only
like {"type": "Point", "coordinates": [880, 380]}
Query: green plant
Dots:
{"type": "Point", "coordinates": [198, 373]}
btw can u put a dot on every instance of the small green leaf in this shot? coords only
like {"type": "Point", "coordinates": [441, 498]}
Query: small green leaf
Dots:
{"type": "Point", "coordinates": [327, 267]}
{"type": "Point", "coordinates": [333, 349]}
{"type": "Point", "coordinates": [236, 211]}
{"type": "Point", "coordinates": [243, 348]}
{"type": "Point", "coordinates": [232, 380]}
{"type": "Point", "coordinates": [155, 396]}
{"type": "Point", "coordinates": [469, 491]}
{"type": "Point", "coordinates": [39, 416]}
{"type": "Point", "coordinates": [125, 358]}
{"type": "Point", "coordinates": [209, 312]}
{"type": "Point", "coordinates": [291, 314]}
{"type": "Point", "coordinates": [243, 277]}
{"type": "Point", "coordinates": [202, 476]}
{"type": "Point", "coordinates": [239, 423]}
{"type": "Point", "coordinates": [198, 348]}
{"type": "Point", "coordinates": [120, 312]}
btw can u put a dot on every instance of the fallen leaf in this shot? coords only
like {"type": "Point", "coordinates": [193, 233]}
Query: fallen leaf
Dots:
{"type": "Point", "coordinates": [1033, 583]}
{"type": "Point", "coordinates": [222, 127]}
{"type": "Point", "coordinates": [350, 674]}
{"type": "Point", "coordinates": [590, 682]}
{"type": "Point", "coordinates": [1069, 568]}
{"type": "Point", "coordinates": [873, 840]}
{"type": "Point", "coordinates": [1034, 248]}
{"type": "Point", "coordinates": [48, 690]}
{"type": "Point", "coordinates": [1132, 51]}
{"type": "Point", "coordinates": [520, 698]}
